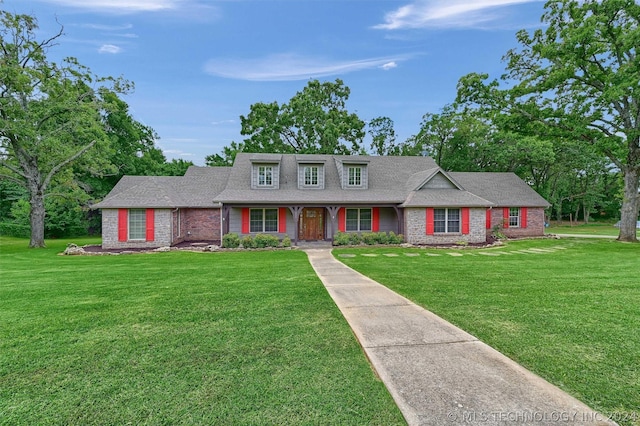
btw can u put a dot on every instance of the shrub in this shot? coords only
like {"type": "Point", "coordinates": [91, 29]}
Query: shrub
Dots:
{"type": "Point", "coordinates": [369, 238]}
{"type": "Point", "coordinates": [395, 239]}
{"type": "Point", "coordinates": [341, 239]}
{"type": "Point", "coordinates": [263, 240]}
{"type": "Point", "coordinates": [230, 240]}
{"type": "Point", "coordinates": [354, 239]}
{"type": "Point", "coordinates": [382, 238]}
{"type": "Point", "coordinates": [286, 241]}
{"type": "Point", "coordinates": [247, 242]}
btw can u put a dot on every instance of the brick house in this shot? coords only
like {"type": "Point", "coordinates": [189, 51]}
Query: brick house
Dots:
{"type": "Point", "coordinates": [312, 197]}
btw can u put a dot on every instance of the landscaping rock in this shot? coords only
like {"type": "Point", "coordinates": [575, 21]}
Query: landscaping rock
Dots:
{"type": "Point", "coordinates": [162, 249]}
{"type": "Point", "coordinates": [73, 250]}
{"type": "Point", "coordinates": [211, 247]}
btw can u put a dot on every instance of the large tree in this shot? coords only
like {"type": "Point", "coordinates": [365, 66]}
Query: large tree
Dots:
{"type": "Point", "coordinates": [580, 76]}
{"type": "Point", "coordinates": [314, 121]}
{"type": "Point", "coordinates": [50, 115]}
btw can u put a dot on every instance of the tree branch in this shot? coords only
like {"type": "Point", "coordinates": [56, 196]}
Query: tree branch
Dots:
{"type": "Point", "coordinates": [64, 163]}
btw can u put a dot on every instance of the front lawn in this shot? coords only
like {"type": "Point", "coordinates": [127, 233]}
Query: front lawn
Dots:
{"type": "Point", "coordinates": [592, 228]}
{"type": "Point", "coordinates": [177, 338]}
{"type": "Point", "coordinates": [569, 310]}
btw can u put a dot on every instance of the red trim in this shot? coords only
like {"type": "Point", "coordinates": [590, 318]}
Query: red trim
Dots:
{"type": "Point", "coordinates": [465, 220]}
{"type": "Point", "coordinates": [430, 225]}
{"type": "Point", "coordinates": [488, 218]}
{"type": "Point", "coordinates": [342, 220]}
{"type": "Point", "coordinates": [150, 225]}
{"type": "Point", "coordinates": [123, 224]}
{"type": "Point", "coordinates": [245, 221]}
{"type": "Point", "coordinates": [375, 219]}
{"type": "Point", "coordinates": [282, 220]}
{"type": "Point", "coordinates": [505, 216]}
{"type": "Point", "coordinates": [523, 217]}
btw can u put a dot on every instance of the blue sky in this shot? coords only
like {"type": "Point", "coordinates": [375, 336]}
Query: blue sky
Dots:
{"type": "Point", "coordinates": [198, 65]}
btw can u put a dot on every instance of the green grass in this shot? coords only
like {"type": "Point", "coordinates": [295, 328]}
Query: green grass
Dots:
{"type": "Point", "coordinates": [572, 315]}
{"type": "Point", "coordinates": [177, 338]}
{"type": "Point", "coordinates": [593, 228]}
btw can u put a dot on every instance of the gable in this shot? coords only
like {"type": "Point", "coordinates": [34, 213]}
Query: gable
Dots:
{"type": "Point", "coordinates": [439, 181]}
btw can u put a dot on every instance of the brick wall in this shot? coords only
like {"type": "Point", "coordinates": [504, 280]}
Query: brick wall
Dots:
{"type": "Point", "coordinates": [199, 224]}
{"type": "Point", "coordinates": [415, 230]}
{"type": "Point", "coordinates": [535, 223]}
{"type": "Point", "coordinates": [162, 231]}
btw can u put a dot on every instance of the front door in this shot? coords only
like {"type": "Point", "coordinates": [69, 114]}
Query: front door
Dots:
{"type": "Point", "coordinates": [312, 224]}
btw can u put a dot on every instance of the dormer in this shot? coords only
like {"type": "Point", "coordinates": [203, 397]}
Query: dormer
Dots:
{"type": "Point", "coordinates": [310, 172]}
{"type": "Point", "coordinates": [265, 171]}
{"type": "Point", "coordinates": [354, 173]}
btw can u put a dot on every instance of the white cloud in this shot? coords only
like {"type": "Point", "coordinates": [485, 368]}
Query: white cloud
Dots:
{"type": "Point", "coordinates": [444, 13]}
{"type": "Point", "coordinates": [290, 67]}
{"type": "Point", "coordinates": [109, 48]}
{"type": "Point", "coordinates": [389, 65]}
{"type": "Point", "coordinates": [120, 5]}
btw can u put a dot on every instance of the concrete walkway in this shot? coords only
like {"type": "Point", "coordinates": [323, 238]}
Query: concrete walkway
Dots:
{"type": "Point", "coordinates": [437, 373]}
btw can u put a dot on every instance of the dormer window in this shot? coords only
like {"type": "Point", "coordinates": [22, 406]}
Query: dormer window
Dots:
{"type": "Point", "coordinates": [354, 176]}
{"type": "Point", "coordinates": [310, 175]}
{"type": "Point", "coordinates": [265, 175]}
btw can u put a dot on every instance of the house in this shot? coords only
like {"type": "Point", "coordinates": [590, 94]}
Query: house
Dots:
{"type": "Point", "coordinates": [312, 197]}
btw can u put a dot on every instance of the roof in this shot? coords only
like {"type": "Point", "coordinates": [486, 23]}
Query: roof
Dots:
{"type": "Point", "coordinates": [401, 181]}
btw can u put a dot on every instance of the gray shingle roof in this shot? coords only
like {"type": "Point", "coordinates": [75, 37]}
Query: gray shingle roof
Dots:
{"type": "Point", "coordinates": [391, 180]}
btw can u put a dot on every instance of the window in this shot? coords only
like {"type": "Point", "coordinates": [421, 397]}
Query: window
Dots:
{"type": "Point", "coordinates": [263, 220]}
{"type": "Point", "coordinates": [137, 224]}
{"type": "Point", "coordinates": [446, 220]}
{"type": "Point", "coordinates": [358, 220]}
{"type": "Point", "coordinates": [355, 176]}
{"type": "Point", "coordinates": [311, 175]}
{"type": "Point", "coordinates": [265, 175]}
{"type": "Point", "coordinates": [514, 217]}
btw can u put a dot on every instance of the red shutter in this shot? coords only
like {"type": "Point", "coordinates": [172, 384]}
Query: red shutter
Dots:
{"type": "Point", "coordinates": [282, 220]}
{"type": "Point", "coordinates": [375, 218]}
{"type": "Point", "coordinates": [505, 215]}
{"type": "Point", "coordinates": [465, 220]}
{"type": "Point", "coordinates": [523, 217]}
{"type": "Point", "coordinates": [123, 224]}
{"type": "Point", "coordinates": [150, 225]}
{"type": "Point", "coordinates": [245, 221]}
{"type": "Point", "coordinates": [488, 218]}
{"type": "Point", "coordinates": [342, 220]}
{"type": "Point", "coordinates": [430, 226]}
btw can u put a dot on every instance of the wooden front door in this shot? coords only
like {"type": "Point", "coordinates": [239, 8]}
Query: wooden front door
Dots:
{"type": "Point", "coordinates": [312, 224]}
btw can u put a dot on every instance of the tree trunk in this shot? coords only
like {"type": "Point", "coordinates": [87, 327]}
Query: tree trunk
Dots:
{"type": "Point", "coordinates": [37, 219]}
{"type": "Point", "coordinates": [630, 206]}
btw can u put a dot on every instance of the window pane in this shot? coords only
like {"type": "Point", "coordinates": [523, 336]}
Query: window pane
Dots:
{"type": "Point", "coordinates": [514, 217]}
{"type": "Point", "coordinates": [255, 220]}
{"type": "Point", "coordinates": [311, 175]}
{"type": "Point", "coordinates": [365, 219]}
{"type": "Point", "coordinates": [453, 220]}
{"type": "Point", "coordinates": [352, 219]}
{"type": "Point", "coordinates": [439, 220]}
{"type": "Point", "coordinates": [270, 220]}
{"type": "Point", "coordinates": [355, 176]}
{"type": "Point", "coordinates": [137, 224]}
{"type": "Point", "coordinates": [265, 175]}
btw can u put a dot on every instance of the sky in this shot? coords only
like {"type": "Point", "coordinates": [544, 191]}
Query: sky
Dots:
{"type": "Point", "coordinates": [198, 65]}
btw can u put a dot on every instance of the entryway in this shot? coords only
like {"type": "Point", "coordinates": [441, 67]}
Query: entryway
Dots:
{"type": "Point", "coordinates": [311, 227]}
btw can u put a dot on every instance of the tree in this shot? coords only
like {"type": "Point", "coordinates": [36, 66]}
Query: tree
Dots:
{"type": "Point", "coordinates": [383, 136]}
{"type": "Point", "coordinates": [50, 116]}
{"type": "Point", "coordinates": [314, 121]}
{"type": "Point", "coordinates": [580, 76]}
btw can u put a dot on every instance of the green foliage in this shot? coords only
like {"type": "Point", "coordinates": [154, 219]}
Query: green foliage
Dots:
{"type": "Point", "coordinates": [314, 121]}
{"type": "Point", "coordinates": [265, 240]}
{"type": "Point", "coordinates": [248, 242]}
{"type": "Point", "coordinates": [368, 238]}
{"type": "Point", "coordinates": [286, 241]}
{"type": "Point", "coordinates": [230, 240]}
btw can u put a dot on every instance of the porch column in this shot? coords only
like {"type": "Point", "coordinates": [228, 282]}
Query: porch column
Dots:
{"type": "Point", "coordinates": [295, 212]}
{"type": "Point", "coordinates": [400, 216]}
{"type": "Point", "coordinates": [226, 210]}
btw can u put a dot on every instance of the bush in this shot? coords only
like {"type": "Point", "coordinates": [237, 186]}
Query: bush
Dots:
{"type": "Point", "coordinates": [354, 239]}
{"type": "Point", "coordinates": [231, 240]}
{"type": "Point", "coordinates": [381, 238]}
{"type": "Point", "coordinates": [15, 230]}
{"type": "Point", "coordinates": [247, 242]}
{"type": "Point", "coordinates": [263, 240]}
{"type": "Point", "coordinates": [286, 241]}
{"type": "Point", "coordinates": [395, 239]}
